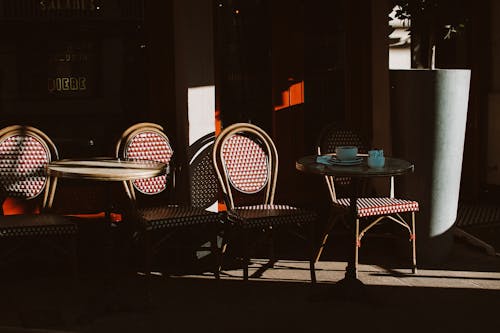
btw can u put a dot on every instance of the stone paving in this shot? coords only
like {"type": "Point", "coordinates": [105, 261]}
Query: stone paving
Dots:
{"type": "Point", "coordinates": [463, 295]}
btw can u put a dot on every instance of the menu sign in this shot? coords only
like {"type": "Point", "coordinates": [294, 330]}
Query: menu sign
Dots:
{"type": "Point", "coordinates": [76, 5]}
{"type": "Point", "coordinates": [72, 69]}
{"type": "Point", "coordinates": [58, 68]}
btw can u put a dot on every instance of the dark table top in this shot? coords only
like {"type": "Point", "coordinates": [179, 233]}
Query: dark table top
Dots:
{"type": "Point", "coordinates": [393, 167]}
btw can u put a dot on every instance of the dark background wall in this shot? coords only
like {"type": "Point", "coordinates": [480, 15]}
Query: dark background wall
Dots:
{"type": "Point", "coordinates": [135, 66]}
{"type": "Point", "coordinates": [47, 44]}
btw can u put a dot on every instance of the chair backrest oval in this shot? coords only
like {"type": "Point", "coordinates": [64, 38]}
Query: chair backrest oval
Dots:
{"type": "Point", "coordinates": [246, 164]}
{"type": "Point", "coordinates": [153, 145]}
{"type": "Point", "coordinates": [133, 128]}
{"type": "Point", "coordinates": [334, 135]}
{"type": "Point", "coordinates": [24, 154]}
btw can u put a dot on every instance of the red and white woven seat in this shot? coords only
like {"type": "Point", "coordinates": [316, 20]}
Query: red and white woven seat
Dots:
{"type": "Point", "coordinates": [380, 206]}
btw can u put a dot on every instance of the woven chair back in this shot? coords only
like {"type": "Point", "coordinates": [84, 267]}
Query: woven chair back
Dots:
{"type": "Point", "coordinates": [333, 136]}
{"type": "Point", "coordinates": [24, 153]}
{"type": "Point", "coordinates": [246, 162]}
{"type": "Point", "coordinates": [147, 143]}
{"type": "Point", "coordinates": [203, 180]}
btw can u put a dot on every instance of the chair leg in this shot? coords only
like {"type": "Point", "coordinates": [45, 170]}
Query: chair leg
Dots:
{"type": "Point", "coordinates": [413, 243]}
{"type": "Point", "coordinates": [74, 257]}
{"type": "Point", "coordinates": [319, 252]}
{"type": "Point", "coordinates": [357, 244]}
{"type": "Point", "coordinates": [272, 247]}
{"type": "Point", "coordinates": [313, 258]}
{"type": "Point", "coordinates": [245, 268]}
{"type": "Point", "coordinates": [246, 257]}
{"type": "Point", "coordinates": [148, 259]}
{"type": "Point", "coordinates": [216, 254]}
{"type": "Point", "coordinates": [223, 250]}
{"type": "Point", "coordinates": [326, 234]}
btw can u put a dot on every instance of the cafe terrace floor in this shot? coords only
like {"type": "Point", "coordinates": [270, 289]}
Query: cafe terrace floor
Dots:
{"type": "Point", "coordinates": [460, 295]}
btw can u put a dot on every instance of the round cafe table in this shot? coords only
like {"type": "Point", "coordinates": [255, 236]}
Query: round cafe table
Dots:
{"type": "Point", "coordinates": [350, 286]}
{"type": "Point", "coordinates": [99, 169]}
{"type": "Point", "coordinates": [392, 167]}
{"type": "Point", "coordinates": [108, 170]}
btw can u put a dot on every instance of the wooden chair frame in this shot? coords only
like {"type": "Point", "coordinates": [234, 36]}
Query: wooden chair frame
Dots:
{"type": "Point", "coordinates": [266, 207]}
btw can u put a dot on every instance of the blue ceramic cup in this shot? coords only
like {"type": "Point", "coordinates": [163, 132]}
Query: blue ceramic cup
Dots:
{"type": "Point", "coordinates": [376, 158]}
{"type": "Point", "coordinates": [346, 153]}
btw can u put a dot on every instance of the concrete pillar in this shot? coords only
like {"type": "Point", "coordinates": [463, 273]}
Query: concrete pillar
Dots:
{"type": "Point", "coordinates": [429, 113]}
{"type": "Point", "coordinates": [194, 67]}
{"type": "Point", "coordinates": [193, 26]}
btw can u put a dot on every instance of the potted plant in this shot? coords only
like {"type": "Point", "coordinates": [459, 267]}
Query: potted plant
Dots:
{"type": "Point", "coordinates": [428, 118]}
{"type": "Point", "coordinates": [430, 22]}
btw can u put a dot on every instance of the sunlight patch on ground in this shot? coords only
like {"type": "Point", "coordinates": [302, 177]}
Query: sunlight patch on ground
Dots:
{"type": "Point", "coordinates": [333, 271]}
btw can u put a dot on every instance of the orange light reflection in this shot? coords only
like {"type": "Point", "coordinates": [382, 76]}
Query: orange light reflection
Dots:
{"type": "Point", "coordinates": [294, 95]}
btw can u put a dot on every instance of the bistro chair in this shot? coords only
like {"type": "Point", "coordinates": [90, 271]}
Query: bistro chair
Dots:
{"type": "Point", "coordinates": [204, 191]}
{"type": "Point", "coordinates": [203, 185]}
{"type": "Point", "coordinates": [370, 211]}
{"type": "Point", "coordinates": [330, 137]}
{"type": "Point", "coordinates": [158, 218]}
{"type": "Point", "coordinates": [24, 153]}
{"type": "Point", "coordinates": [246, 162]}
